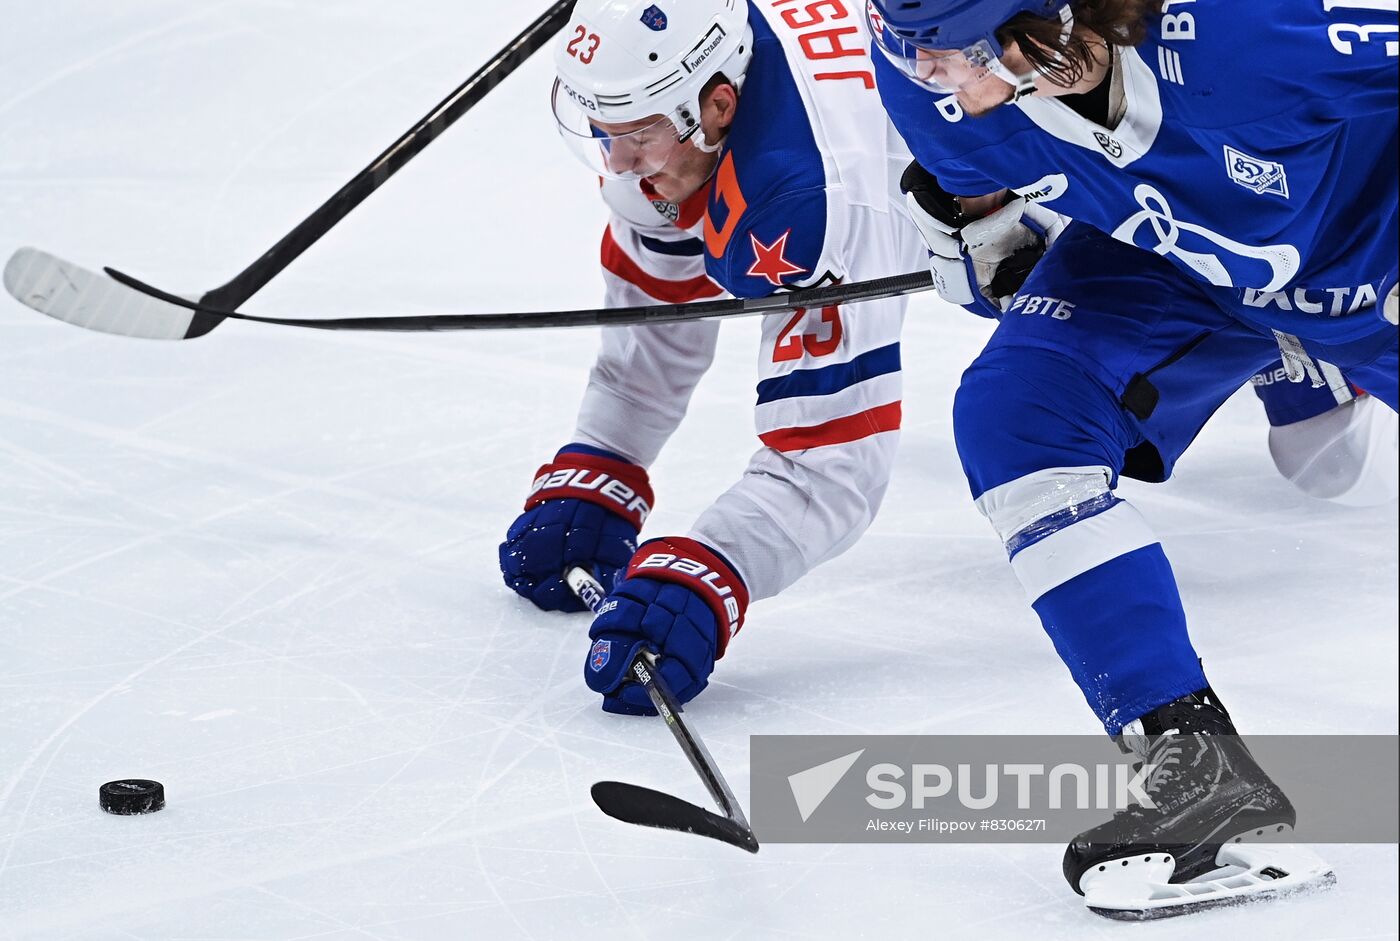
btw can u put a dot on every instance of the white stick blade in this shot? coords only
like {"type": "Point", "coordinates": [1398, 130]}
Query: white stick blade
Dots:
{"type": "Point", "coordinates": [67, 292]}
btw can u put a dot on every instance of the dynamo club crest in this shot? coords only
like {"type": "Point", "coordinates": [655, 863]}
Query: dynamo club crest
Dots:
{"type": "Point", "coordinates": [654, 19]}
{"type": "Point", "coordinates": [599, 656]}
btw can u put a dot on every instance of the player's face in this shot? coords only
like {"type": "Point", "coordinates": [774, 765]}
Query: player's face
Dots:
{"type": "Point", "coordinates": [634, 150]}
{"type": "Point", "coordinates": [948, 69]}
{"type": "Point", "coordinates": [976, 87]}
{"type": "Point", "coordinates": [980, 97]}
{"type": "Point", "coordinates": [970, 73]}
{"type": "Point", "coordinates": [651, 150]}
{"type": "Point", "coordinates": [638, 149]}
{"type": "Point", "coordinates": [977, 76]}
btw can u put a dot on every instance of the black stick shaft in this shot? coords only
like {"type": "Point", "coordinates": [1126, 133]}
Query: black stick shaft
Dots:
{"type": "Point", "coordinates": [253, 278]}
{"type": "Point", "coordinates": [831, 295]}
{"type": "Point", "coordinates": [643, 670]}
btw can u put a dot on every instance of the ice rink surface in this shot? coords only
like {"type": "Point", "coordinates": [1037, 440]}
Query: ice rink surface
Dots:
{"type": "Point", "coordinates": [260, 567]}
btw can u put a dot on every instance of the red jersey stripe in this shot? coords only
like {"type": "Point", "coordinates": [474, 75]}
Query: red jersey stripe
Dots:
{"type": "Point", "coordinates": [837, 431]}
{"type": "Point", "coordinates": [668, 292]}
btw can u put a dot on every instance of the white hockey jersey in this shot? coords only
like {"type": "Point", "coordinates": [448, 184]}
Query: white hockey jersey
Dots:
{"type": "Point", "coordinates": [806, 193]}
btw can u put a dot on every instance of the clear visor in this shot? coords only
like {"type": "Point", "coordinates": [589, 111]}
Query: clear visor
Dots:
{"type": "Point", "coordinates": [618, 151]}
{"type": "Point", "coordinates": [946, 71]}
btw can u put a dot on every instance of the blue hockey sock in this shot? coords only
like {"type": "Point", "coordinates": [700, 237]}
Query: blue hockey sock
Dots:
{"type": "Point", "coordinates": [1120, 629]}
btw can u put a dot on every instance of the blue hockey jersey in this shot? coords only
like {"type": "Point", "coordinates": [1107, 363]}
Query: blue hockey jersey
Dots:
{"type": "Point", "coordinates": [1257, 150]}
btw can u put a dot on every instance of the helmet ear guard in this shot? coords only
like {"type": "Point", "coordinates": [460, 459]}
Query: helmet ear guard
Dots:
{"type": "Point", "coordinates": [687, 117]}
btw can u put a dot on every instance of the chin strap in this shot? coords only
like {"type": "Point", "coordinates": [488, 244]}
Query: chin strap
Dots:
{"type": "Point", "coordinates": [702, 144]}
{"type": "Point", "coordinates": [1023, 84]}
{"type": "Point", "coordinates": [696, 136]}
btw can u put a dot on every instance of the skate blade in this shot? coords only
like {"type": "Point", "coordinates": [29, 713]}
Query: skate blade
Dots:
{"type": "Point", "coordinates": [1138, 888]}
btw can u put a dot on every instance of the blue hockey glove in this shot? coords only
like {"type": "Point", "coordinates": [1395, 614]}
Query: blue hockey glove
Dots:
{"type": "Point", "coordinates": [978, 264]}
{"type": "Point", "coordinates": [585, 510]}
{"type": "Point", "coordinates": [679, 600]}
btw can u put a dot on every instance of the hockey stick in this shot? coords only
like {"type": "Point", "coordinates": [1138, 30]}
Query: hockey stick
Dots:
{"type": "Point", "coordinates": [75, 295]}
{"type": "Point", "coordinates": [253, 278]}
{"type": "Point", "coordinates": [643, 806]}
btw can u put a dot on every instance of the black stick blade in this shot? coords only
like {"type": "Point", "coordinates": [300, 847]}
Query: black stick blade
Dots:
{"type": "Point", "coordinates": [647, 808]}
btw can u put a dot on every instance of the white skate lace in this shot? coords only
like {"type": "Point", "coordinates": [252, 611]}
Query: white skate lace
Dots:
{"type": "Point", "coordinates": [1163, 753]}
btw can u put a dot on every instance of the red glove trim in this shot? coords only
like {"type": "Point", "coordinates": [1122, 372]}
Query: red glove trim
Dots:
{"type": "Point", "coordinates": [614, 485]}
{"type": "Point", "coordinates": [684, 561]}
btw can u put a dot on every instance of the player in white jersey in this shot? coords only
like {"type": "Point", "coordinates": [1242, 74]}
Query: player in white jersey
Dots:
{"type": "Point", "coordinates": [742, 149]}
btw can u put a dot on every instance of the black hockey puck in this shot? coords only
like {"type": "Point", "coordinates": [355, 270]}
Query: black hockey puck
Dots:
{"type": "Point", "coordinates": [129, 798]}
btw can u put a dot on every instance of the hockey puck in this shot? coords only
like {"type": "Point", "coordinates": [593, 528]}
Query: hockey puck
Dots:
{"type": "Point", "coordinates": [129, 798]}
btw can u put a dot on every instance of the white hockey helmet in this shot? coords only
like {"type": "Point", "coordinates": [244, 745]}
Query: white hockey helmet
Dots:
{"type": "Point", "coordinates": [622, 62]}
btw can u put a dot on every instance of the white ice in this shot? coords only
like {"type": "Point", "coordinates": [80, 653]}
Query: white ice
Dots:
{"type": "Point", "coordinates": [260, 567]}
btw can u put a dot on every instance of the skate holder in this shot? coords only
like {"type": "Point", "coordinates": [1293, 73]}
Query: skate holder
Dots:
{"type": "Point", "coordinates": [1141, 883]}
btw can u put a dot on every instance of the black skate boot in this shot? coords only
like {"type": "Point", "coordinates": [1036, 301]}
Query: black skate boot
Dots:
{"type": "Point", "coordinates": [1186, 853]}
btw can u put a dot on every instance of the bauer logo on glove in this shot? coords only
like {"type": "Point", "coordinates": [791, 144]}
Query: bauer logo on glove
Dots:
{"type": "Point", "coordinates": [702, 573]}
{"type": "Point", "coordinates": [556, 482]}
{"type": "Point", "coordinates": [584, 510]}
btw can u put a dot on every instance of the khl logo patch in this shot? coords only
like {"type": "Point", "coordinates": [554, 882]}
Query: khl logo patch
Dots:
{"type": "Point", "coordinates": [669, 210]}
{"type": "Point", "coordinates": [1262, 176]}
{"type": "Point", "coordinates": [599, 656]}
{"type": "Point", "coordinates": [1109, 145]}
{"type": "Point", "coordinates": [654, 19]}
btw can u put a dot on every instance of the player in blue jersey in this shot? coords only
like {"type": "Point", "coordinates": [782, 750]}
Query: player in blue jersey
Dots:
{"type": "Point", "coordinates": [1232, 177]}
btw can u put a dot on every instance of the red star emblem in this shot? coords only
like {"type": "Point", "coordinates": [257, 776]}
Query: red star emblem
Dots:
{"type": "Point", "coordinates": [769, 261]}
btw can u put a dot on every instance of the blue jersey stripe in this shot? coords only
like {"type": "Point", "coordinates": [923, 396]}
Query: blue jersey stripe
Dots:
{"type": "Point", "coordinates": [687, 248]}
{"type": "Point", "coordinates": [830, 379]}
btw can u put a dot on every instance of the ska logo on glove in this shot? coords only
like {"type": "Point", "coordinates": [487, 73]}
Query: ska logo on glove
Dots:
{"type": "Point", "coordinates": [599, 656]}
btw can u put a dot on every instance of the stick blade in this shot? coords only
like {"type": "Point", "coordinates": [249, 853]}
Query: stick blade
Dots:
{"type": "Point", "coordinates": [647, 808]}
{"type": "Point", "coordinates": [75, 295]}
